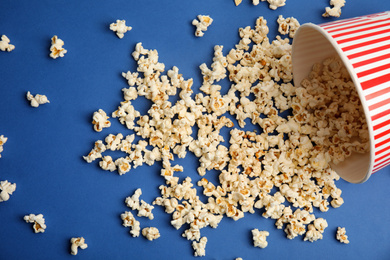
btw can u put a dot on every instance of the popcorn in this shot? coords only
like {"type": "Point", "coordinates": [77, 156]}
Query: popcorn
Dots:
{"type": "Point", "coordinates": [7, 189]}
{"type": "Point", "coordinates": [3, 140]}
{"type": "Point", "coordinates": [335, 11]}
{"type": "Point", "coordinates": [57, 49]}
{"type": "Point", "coordinates": [100, 120]}
{"type": "Point", "coordinates": [287, 25]}
{"type": "Point", "coordinates": [37, 100]}
{"type": "Point", "coordinates": [5, 44]}
{"type": "Point", "coordinates": [312, 234]}
{"type": "Point", "coordinates": [120, 28]}
{"type": "Point", "coordinates": [123, 165]}
{"type": "Point", "coordinates": [260, 238]}
{"type": "Point", "coordinates": [113, 142]}
{"type": "Point", "coordinates": [96, 152]}
{"type": "Point", "coordinates": [203, 22]}
{"type": "Point", "coordinates": [151, 233]}
{"type": "Point", "coordinates": [130, 221]}
{"type": "Point", "coordinates": [199, 247]}
{"type": "Point", "coordinates": [38, 220]}
{"type": "Point", "coordinates": [107, 163]}
{"type": "Point", "coordinates": [76, 243]}
{"type": "Point", "coordinates": [237, 2]}
{"type": "Point", "coordinates": [133, 201]}
{"type": "Point", "coordinates": [274, 4]}
{"type": "Point", "coordinates": [341, 236]}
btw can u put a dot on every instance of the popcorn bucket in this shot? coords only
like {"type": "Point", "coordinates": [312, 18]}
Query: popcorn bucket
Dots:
{"type": "Point", "coordinates": [363, 44]}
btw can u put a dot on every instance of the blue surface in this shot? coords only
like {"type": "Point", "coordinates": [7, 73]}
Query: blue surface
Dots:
{"type": "Point", "coordinates": [43, 155]}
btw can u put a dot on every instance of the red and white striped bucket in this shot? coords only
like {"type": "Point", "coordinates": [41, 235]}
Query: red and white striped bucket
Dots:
{"type": "Point", "coordinates": [363, 44]}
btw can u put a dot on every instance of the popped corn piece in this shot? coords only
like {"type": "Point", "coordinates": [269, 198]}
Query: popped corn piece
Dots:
{"type": "Point", "coordinates": [274, 4]}
{"type": "Point", "coordinates": [237, 2]}
{"type": "Point", "coordinates": [37, 100]}
{"type": "Point", "coordinates": [337, 202]}
{"type": "Point", "coordinates": [133, 201]}
{"type": "Point", "coordinates": [203, 22]}
{"type": "Point", "coordinates": [96, 152]}
{"type": "Point", "coordinates": [260, 238]}
{"type": "Point", "coordinates": [38, 220]}
{"type": "Point", "coordinates": [5, 44]}
{"type": "Point", "coordinates": [145, 210]}
{"type": "Point", "coordinates": [341, 235]}
{"type": "Point", "coordinates": [100, 120]}
{"type": "Point", "coordinates": [107, 163]}
{"type": "Point", "coordinates": [3, 140]}
{"type": "Point", "coordinates": [57, 49]}
{"type": "Point", "coordinates": [199, 247]}
{"type": "Point", "coordinates": [312, 234]}
{"type": "Point", "coordinates": [120, 28]}
{"type": "Point", "coordinates": [335, 11]}
{"type": "Point", "coordinates": [7, 189]}
{"type": "Point", "coordinates": [320, 224]}
{"type": "Point", "coordinates": [113, 142]}
{"type": "Point", "coordinates": [76, 243]}
{"type": "Point", "coordinates": [151, 233]}
{"type": "Point", "coordinates": [123, 165]}
{"type": "Point", "coordinates": [287, 25]}
{"type": "Point", "coordinates": [130, 221]}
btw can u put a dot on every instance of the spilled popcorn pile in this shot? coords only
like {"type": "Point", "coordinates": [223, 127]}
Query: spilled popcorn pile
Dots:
{"type": "Point", "coordinates": [284, 171]}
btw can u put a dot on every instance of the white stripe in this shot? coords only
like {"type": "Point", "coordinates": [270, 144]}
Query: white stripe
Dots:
{"type": "Point", "coordinates": [342, 22]}
{"type": "Point", "coordinates": [387, 145]}
{"type": "Point", "coordinates": [382, 129]}
{"type": "Point", "coordinates": [375, 75]}
{"type": "Point", "coordinates": [381, 119]}
{"type": "Point", "coordinates": [372, 65]}
{"type": "Point", "coordinates": [369, 56]}
{"type": "Point", "coordinates": [366, 48]}
{"type": "Point", "coordinates": [382, 139]}
{"type": "Point", "coordinates": [364, 40]}
{"type": "Point", "coordinates": [351, 35]}
{"type": "Point", "coordinates": [380, 168]}
{"type": "Point", "coordinates": [358, 28]}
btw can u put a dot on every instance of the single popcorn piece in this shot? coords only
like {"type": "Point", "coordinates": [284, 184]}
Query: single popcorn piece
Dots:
{"type": "Point", "coordinates": [341, 235]}
{"type": "Point", "coordinates": [237, 2]}
{"type": "Point", "coordinates": [5, 44]}
{"type": "Point", "coordinates": [120, 28]}
{"type": "Point", "coordinates": [335, 11]}
{"type": "Point", "coordinates": [37, 100]}
{"type": "Point", "coordinates": [7, 189]}
{"type": "Point", "coordinates": [203, 22]}
{"type": "Point", "coordinates": [151, 233]}
{"type": "Point", "coordinates": [130, 221]}
{"type": "Point", "coordinates": [288, 26]}
{"type": "Point", "coordinates": [3, 140]}
{"type": "Point", "coordinates": [260, 238]}
{"type": "Point", "coordinates": [200, 247]}
{"type": "Point", "coordinates": [38, 220]}
{"type": "Point", "coordinates": [100, 120]}
{"type": "Point", "coordinates": [76, 243]}
{"type": "Point", "coordinates": [274, 4]}
{"type": "Point", "coordinates": [57, 49]}
{"type": "Point", "coordinates": [312, 234]}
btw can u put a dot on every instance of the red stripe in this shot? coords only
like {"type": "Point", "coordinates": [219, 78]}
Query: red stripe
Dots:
{"type": "Point", "coordinates": [382, 157]}
{"type": "Point", "coordinates": [351, 47]}
{"type": "Point", "coordinates": [360, 30]}
{"type": "Point", "coordinates": [384, 163]}
{"type": "Point", "coordinates": [385, 123]}
{"type": "Point", "coordinates": [369, 61]}
{"type": "Point", "coordinates": [378, 168]}
{"type": "Point", "coordinates": [331, 25]}
{"type": "Point", "coordinates": [382, 114]}
{"type": "Point", "coordinates": [382, 134]}
{"type": "Point", "coordinates": [373, 70]}
{"type": "Point", "coordinates": [359, 54]}
{"type": "Point", "coordinates": [363, 36]}
{"type": "Point", "coordinates": [358, 25]}
{"type": "Point", "coordinates": [375, 81]}
{"type": "Point", "coordinates": [382, 143]}
{"type": "Point", "coordinates": [382, 150]}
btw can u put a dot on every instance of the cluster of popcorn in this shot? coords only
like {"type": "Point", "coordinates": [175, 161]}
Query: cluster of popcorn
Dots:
{"type": "Point", "coordinates": [283, 170]}
{"type": "Point", "coordinates": [7, 189]}
{"type": "Point", "coordinates": [287, 25]}
{"type": "Point", "coordinates": [5, 44]}
{"type": "Point", "coordinates": [57, 49]}
{"type": "Point", "coordinates": [76, 243]}
{"type": "Point", "coordinates": [335, 11]}
{"type": "Point", "coordinates": [120, 28]}
{"type": "Point", "coordinates": [203, 22]}
{"type": "Point", "coordinates": [38, 221]}
{"type": "Point", "coordinates": [272, 4]}
{"type": "Point", "coordinates": [3, 140]}
{"type": "Point", "coordinates": [36, 100]}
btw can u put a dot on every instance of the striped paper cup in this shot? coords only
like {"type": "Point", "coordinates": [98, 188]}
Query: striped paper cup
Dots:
{"type": "Point", "coordinates": [363, 44]}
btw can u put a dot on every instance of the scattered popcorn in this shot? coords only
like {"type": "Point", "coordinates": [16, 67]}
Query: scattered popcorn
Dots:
{"type": "Point", "coordinates": [341, 236]}
{"type": "Point", "coordinates": [288, 26]}
{"type": "Point", "coordinates": [77, 243]}
{"type": "Point", "coordinates": [274, 4]}
{"type": "Point", "coordinates": [260, 238]}
{"type": "Point", "coordinates": [3, 140]}
{"type": "Point", "coordinates": [38, 220]}
{"type": "Point", "coordinates": [237, 2]}
{"type": "Point", "coordinates": [37, 100]}
{"type": "Point", "coordinates": [96, 152]}
{"type": "Point", "coordinates": [7, 189]}
{"type": "Point", "coordinates": [151, 233]}
{"type": "Point", "coordinates": [199, 247]}
{"type": "Point", "coordinates": [100, 120]}
{"type": "Point", "coordinates": [129, 221]}
{"type": "Point", "coordinates": [120, 28]}
{"type": "Point", "coordinates": [56, 48]}
{"type": "Point", "coordinates": [203, 22]}
{"type": "Point", "coordinates": [5, 44]}
{"type": "Point", "coordinates": [107, 163]}
{"type": "Point", "coordinates": [335, 11]}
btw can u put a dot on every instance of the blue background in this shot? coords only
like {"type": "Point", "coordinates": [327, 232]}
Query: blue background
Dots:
{"type": "Point", "coordinates": [43, 155]}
